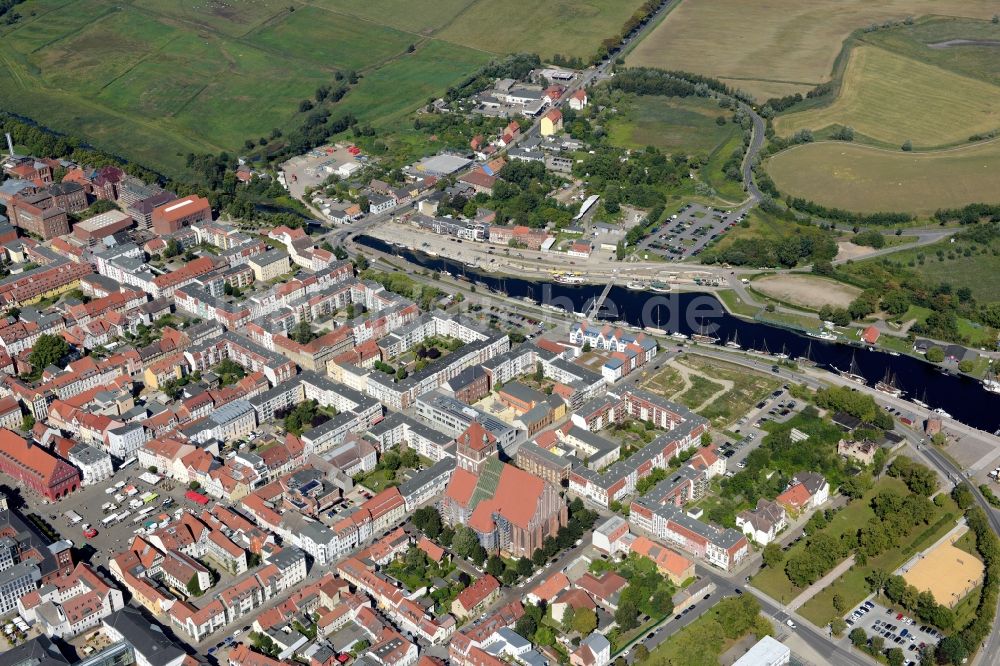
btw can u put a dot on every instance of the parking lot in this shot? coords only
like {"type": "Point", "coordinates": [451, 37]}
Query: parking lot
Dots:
{"type": "Point", "coordinates": [689, 231]}
{"type": "Point", "coordinates": [894, 627]}
{"type": "Point", "coordinates": [777, 407]}
{"type": "Point", "coordinates": [92, 504]}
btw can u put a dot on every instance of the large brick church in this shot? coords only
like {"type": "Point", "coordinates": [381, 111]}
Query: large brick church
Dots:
{"type": "Point", "coordinates": [511, 510]}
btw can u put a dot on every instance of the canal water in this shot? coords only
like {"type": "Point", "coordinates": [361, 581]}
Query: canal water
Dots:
{"type": "Point", "coordinates": [692, 313]}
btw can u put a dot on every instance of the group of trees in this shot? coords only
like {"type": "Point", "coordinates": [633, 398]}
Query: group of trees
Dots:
{"type": "Point", "coordinates": [47, 350]}
{"type": "Point", "coordinates": [846, 216]}
{"type": "Point", "coordinates": [919, 479]}
{"type": "Point", "coordinates": [647, 592]}
{"type": "Point", "coordinates": [7, 13]}
{"type": "Point", "coordinates": [402, 284]}
{"type": "Point", "coordinates": [733, 617]}
{"type": "Point", "coordinates": [870, 238]}
{"type": "Point", "coordinates": [650, 81]}
{"type": "Point", "coordinates": [301, 417]}
{"type": "Point", "coordinates": [857, 404]}
{"type": "Point", "coordinates": [807, 244]}
{"type": "Point", "coordinates": [517, 66]}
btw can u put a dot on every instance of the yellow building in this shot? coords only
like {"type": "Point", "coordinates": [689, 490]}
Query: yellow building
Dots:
{"type": "Point", "coordinates": [552, 122]}
{"type": "Point", "coordinates": [270, 265]}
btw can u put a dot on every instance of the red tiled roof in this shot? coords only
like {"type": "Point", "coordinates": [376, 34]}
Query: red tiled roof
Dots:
{"type": "Point", "coordinates": [479, 590]}
{"type": "Point", "coordinates": [796, 497]}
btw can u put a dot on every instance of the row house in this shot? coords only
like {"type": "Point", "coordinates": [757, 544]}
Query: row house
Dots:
{"type": "Point", "coordinates": [203, 356]}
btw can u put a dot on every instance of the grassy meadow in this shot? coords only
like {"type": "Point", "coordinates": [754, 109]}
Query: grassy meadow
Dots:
{"type": "Point", "coordinates": [867, 179]}
{"type": "Point", "coordinates": [672, 124]}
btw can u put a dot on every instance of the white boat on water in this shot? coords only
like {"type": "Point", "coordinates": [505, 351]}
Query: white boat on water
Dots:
{"type": "Point", "coordinates": [920, 403]}
{"type": "Point", "coordinates": [822, 335]}
{"type": "Point", "coordinates": [569, 279]}
{"type": "Point", "coordinates": [635, 285]}
{"type": "Point", "coordinates": [990, 382]}
{"type": "Point", "coordinates": [655, 331]}
{"type": "Point", "coordinates": [678, 336]}
{"type": "Point", "coordinates": [941, 412]}
{"type": "Point", "coordinates": [893, 353]}
{"type": "Point", "coordinates": [734, 342]}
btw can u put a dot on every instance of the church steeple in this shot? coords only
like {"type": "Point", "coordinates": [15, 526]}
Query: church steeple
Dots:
{"type": "Point", "coordinates": [474, 447]}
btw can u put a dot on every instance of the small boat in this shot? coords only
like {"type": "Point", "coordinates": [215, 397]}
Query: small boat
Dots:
{"type": "Point", "coordinates": [941, 412]}
{"type": "Point", "coordinates": [990, 382]}
{"type": "Point", "coordinates": [471, 264]}
{"type": "Point", "coordinates": [655, 331]}
{"type": "Point", "coordinates": [678, 336]}
{"type": "Point", "coordinates": [432, 253]}
{"type": "Point", "coordinates": [783, 353]}
{"type": "Point", "coordinates": [529, 299]}
{"type": "Point", "coordinates": [888, 385]}
{"type": "Point", "coordinates": [822, 335]}
{"type": "Point", "coordinates": [569, 279]}
{"type": "Point", "coordinates": [659, 287]}
{"type": "Point", "coordinates": [922, 402]}
{"type": "Point", "coordinates": [635, 285]}
{"type": "Point", "coordinates": [892, 352]}
{"type": "Point", "coordinates": [734, 342]}
{"type": "Point", "coordinates": [853, 373]}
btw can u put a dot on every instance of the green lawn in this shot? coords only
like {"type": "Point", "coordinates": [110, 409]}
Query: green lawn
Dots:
{"type": "Point", "coordinates": [735, 304]}
{"type": "Point", "coordinates": [947, 262]}
{"type": "Point", "coordinates": [774, 582]}
{"type": "Point", "coordinates": [672, 124]}
{"type": "Point", "coordinates": [378, 480]}
{"type": "Point", "coordinates": [701, 390]}
{"type": "Point", "coordinates": [712, 173]}
{"type": "Point", "coordinates": [851, 586]}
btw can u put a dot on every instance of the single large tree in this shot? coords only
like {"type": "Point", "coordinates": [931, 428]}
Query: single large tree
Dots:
{"type": "Point", "coordinates": [47, 350]}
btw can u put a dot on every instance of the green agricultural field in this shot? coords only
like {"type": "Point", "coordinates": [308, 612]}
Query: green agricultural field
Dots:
{"type": "Point", "coordinates": [893, 99]}
{"type": "Point", "coordinates": [392, 91]}
{"type": "Point", "coordinates": [567, 27]}
{"type": "Point", "coordinates": [233, 19]}
{"type": "Point", "coordinates": [672, 124]}
{"type": "Point", "coordinates": [154, 80]}
{"type": "Point", "coordinates": [406, 15]}
{"type": "Point", "coordinates": [867, 179]}
{"type": "Point", "coordinates": [321, 36]}
{"type": "Point", "coordinates": [784, 46]}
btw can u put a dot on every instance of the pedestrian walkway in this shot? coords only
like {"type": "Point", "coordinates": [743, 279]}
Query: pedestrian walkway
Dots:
{"type": "Point", "coordinates": [815, 588]}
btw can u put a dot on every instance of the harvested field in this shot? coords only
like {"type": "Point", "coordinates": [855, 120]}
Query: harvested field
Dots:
{"type": "Point", "coordinates": [867, 179]}
{"type": "Point", "coordinates": [782, 46]}
{"type": "Point", "coordinates": [807, 290]}
{"type": "Point", "coordinates": [947, 572]}
{"type": "Point", "coordinates": [892, 98]}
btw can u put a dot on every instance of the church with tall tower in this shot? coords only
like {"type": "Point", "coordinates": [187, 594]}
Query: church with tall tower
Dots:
{"type": "Point", "coordinates": [512, 511]}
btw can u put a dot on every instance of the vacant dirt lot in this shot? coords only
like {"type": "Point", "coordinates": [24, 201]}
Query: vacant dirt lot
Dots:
{"type": "Point", "coordinates": [949, 573]}
{"type": "Point", "coordinates": [807, 290]}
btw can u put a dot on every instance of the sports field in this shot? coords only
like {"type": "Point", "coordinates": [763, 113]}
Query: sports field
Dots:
{"type": "Point", "coordinates": [865, 179]}
{"type": "Point", "coordinates": [947, 572]}
{"type": "Point", "coordinates": [672, 124]}
{"type": "Point", "coordinates": [807, 290]}
{"type": "Point", "coordinates": [154, 80]}
{"type": "Point", "coordinates": [777, 47]}
{"type": "Point", "coordinates": [892, 98]}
